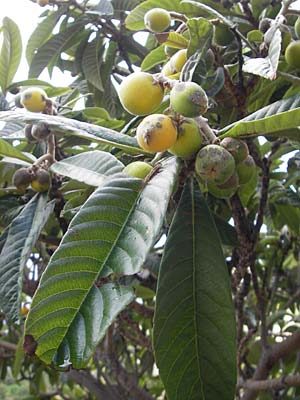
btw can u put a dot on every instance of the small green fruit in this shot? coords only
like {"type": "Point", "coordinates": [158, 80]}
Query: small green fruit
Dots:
{"type": "Point", "coordinates": [138, 169]}
{"type": "Point", "coordinates": [222, 35]}
{"type": "Point", "coordinates": [41, 181]}
{"type": "Point", "coordinates": [237, 148]}
{"type": "Point", "coordinates": [40, 131]}
{"type": "Point", "coordinates": [245, 170]}
{"type": "Point", "coordinates": [220, 193]}
{"type": "Point", "coordinates": [188, 141]}
{"type": "Point", "coordinates": [178, 60]}
{"type": "Point", "coordinates": [157, 19]}
{"type": "Point", "coordinates": [227, 189]}
{"type": "Point", "coordinates": [140, 94]}
{"type": "Point", "coordinates": [21, 179]}
{"type": "Point", "coordinates": [292, 54]}
{"type": "Point", "coordinates": [297, 27]}
{"type": "Point", "coordinates": [214, 164]}
{"type": "Point", "coordinates": [188, 99]}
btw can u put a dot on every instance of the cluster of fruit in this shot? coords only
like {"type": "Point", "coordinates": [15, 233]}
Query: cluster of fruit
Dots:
{"type": "Point", "coordinates": [33, 99]}
{"type": "Point", "coordinates": [222, 168]}
{"type": "Point", "coordinates": [37, 177]}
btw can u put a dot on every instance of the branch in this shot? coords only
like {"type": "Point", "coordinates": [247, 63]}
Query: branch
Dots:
{"type": "Point", "coordinates": [94, 386]}
{"type": "Point", "coordinates": [270, 357]}
{"type": "Point", "coordinates": [8, 345]}
{"type": "Point", "coordinates": [271, 384]}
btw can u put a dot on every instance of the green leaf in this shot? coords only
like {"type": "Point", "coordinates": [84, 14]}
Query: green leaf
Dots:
{"type": "Point", "coordinates": [52, 48]}
{"type": "Point", "coordinates": [22, 235]}
{"type": "Point", "coordinates": [11, 51]}
{"type": "Point", "coordinates": [71, 127]}
{"type": "Point", "coordinates": [194, 325]}
{"type": "Point", "coordinates": [210, 11]}
{"type": "Point", "coordinates": [104, 7]}
{"type": "Point", "coordinates": [135, 20]}
{"type": "Point", "coordinates": [41, 33]}
{"type": "Point", "coordinates": [226, 232]}
{"type": "Point", "coordinates": [172, 39]}
{"type": "Point", "coordinates": [156, 56]}
{"type": "Point", "coordinates": [90, 167]}
{"type": "Point", "coordinates": [201, 33]}
{"type": "Point", "coordinates": [279, 116]}
{"type": "Point", "coordinates": [266, 67]}
{"type": "Point", "coordinates": [91, 62]}
{"type": "Point", "coordinates": [7, 149]}
{"type": "Point", "coordinates": [113, 232]}
{"type": "Point", "coordinates": [99, 309]}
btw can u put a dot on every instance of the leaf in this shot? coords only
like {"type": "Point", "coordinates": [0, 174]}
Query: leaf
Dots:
{"type": "Point", "coordinates": [22, 235]}
{"type": "Point", "coordinates": [104, 7]}
{"type": "Point", "coordinates": [71, 127]}
{"type": "Point", "coordinates": [99, 309]}
{"type": "Point", "coordinates": [41, 33]}
{"type": "Point", "coordinates": [201, 33]}
{"type": "Point", "coordinates": [226, 232]}
{"type": "Point", "coordinates": [90, 167]}
{"type": "Point", "coordinates": [113, 232]}
{"type": "Point", "coordinates": [172, 39]}
{"type": "Point", "coordinates": [156, 56]}
{"type": "Point", "coordinates": [52, 48]}
{"type": "Point", "coordinates": [7, 149]}
{"type": "Point", "coordinates": [135, 20]}
{"type": "Point", "coordinates": [11, 51]}
{"type": "Point", "coordinates": [279, 116]}
{"type": "Point", "coordinates": [91, 62]}
{"type": "Point", "coordinates": [266, 67]}
{"type": "Point", "coordinates": [210, 11]}
{"type": "Point", "coordinates": [194, 325]}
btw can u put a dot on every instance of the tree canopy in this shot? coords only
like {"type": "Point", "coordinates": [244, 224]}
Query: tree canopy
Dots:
{"type": "Point", "coordinates": [149, 211]}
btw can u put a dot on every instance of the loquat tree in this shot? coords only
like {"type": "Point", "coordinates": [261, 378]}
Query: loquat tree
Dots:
{"type": "Point", "coordinates": [149, 211]}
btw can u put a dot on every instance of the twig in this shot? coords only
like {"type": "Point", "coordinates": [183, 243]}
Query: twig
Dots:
{"type": "Point", "coordinates": [271, 384]}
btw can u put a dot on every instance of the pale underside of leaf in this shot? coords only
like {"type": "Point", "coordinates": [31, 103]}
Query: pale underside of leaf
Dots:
{"type": "Point", "coordinates": [90, 167]}
{"type": "Point", "coordinates": [21, 237]}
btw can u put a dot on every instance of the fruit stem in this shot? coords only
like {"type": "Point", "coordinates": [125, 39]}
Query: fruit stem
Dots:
{"type": "Point", "coordinates": [206, 129]}
{"type": "Point", "coordinates": [283, 11]}
{"type": "Point", "coordinates": [51, 146]}
{"type": "Point", "coordinates": [46, 157]}
{"type": "Point", "coordinates": [158, 156]}
{"type": "Point", "coordinates": [178, 16]}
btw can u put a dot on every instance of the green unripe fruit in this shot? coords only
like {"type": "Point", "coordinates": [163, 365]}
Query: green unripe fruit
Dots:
{"type": "Point", "coordinates": [41, 181]}
{"type": "Point", "coordinates": [138, 169]}
{"type": "Point", "coordinates": [297, 27]}
{"type": "Point", "coordinates": [28, 134]}
{"type": "Point", "coordinates": [22, 178]}
{"type": "Point", "coordinates": [157, 19]}
{"type": "Point", "coordinates": [232, 182]}
{"type": "Point", "coordinates": [214, 164]}
{"type": "Point", "coordinates": [237, 148]}
{"type": "Point", "coordinates": [220, 193]}
{"type": "Point", "coordinates": [40, 131]}
{"type": "Point", "coordinates": [188, 141]}
{"type": "Point", "coordinates": [222, 35]}
{"type": "Point", "coordinates": [292, 54]}
{"type": "Point", "coordinates": [140, 94]}
{"type": "Point", "coordinates": [175, 64]}
{"type": "Point", "coordinates": [245, 170]}
{"type": "Point", "coordinates": [188, 99]}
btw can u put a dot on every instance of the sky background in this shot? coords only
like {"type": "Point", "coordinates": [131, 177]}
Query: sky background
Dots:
{"type": "Point", "coordinates": [25, 14]}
